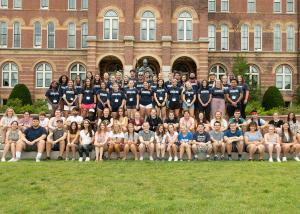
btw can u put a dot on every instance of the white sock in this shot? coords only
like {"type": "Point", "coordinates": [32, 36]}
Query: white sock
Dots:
{"type": "Point", "coordinates": [39, 155]}
{"type": "Point", "coordinates": [18, 155]}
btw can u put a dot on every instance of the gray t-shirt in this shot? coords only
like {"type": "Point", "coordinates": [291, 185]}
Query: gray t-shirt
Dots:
{"type": "Point", "coordinates": [217, 135]}
{"type": "Point", "coordinates": [146, 136]}
{"type": "Point", "coordinates": [58, 133]}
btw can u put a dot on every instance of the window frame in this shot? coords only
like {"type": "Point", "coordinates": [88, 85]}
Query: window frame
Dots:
{"type": "Point", "coordinates": [82, 8]}
{"type": "Point", "coordinates": [217, 72]}
{"type": "Point", "coordinates": [280, 6]}
{"type": "Point", "coordinates": [71, 35]}
{"type": "Point", "coordinates": [284, 67]}
{"type": "Point", "coordinates": [185, 20]}
{"type": "Point", "coordinates": [287, 2]}
{"type": "Point", "coordinates": [4, 35]}
{"type": "Point", "coordinates": [48, 35]}
{"type": "Point", "coordinates": [10, 71]}
{"type": "Point", "coordinates": [1, 4]}
{"type": "Point", "coordinates": [225, 11]}
{"type": "Point", "coordinates": [148, 30]}
{"type": "Point", "coordinates": [34, 35]}
{"type": "Point", "coordinates": [14, 5]}
{"type": "Point", "coordinates": [227, 40]}
{"type": "Point", "coordinates": [214, 37]}
{"type": "Point", "coordinates": [78, 72]}
{"type": "Point", "coordinates": [260, 38]}
{"type": "Point", "coordinates": [84, 36]}
{"type": "Point", "coordinates": [250, 73]}
{"type": "Point", "coordinates": [289, 38]}
{"type": "Point", "coordinates": [251, 2]}
{"type": "Point", "coordinates": [75, 5]}
{"type": "Point", "coordinates": [275, 38]}
{"type": "Point", "coordinates": [14, 34]}
{"type": "Point", "coordinates": [214, 4]}
{"type": "Point", "coordinates": [242, 37]}
{"type": "Point", "coordinates": [111, 19]}
{"type": "Point", "coordinates": [44, 71]}
{"type": "Point", "coordinates": [44, 7]}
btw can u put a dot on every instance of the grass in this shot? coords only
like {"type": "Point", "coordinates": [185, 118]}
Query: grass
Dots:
{"type": "Point", "coordinates": [144, 187]}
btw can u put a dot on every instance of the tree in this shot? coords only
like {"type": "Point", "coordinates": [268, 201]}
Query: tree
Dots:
{"type": "Point", "coordinates": [272, 98]}
{"type": "Point", "coordinates": [21, 92]}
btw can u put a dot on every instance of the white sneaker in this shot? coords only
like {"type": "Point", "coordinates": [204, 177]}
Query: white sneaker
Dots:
{"type": "Point", "coordinates": [296, 159]}
{"type": "Point", "coordinates": [80, 159]}
{"type": "Point", "coordinates": [67, 159]}
{"type": "Point", "coordinates": [170, 158]}
{"type": "Point", "coordinates": [151, 158]}
{"type": "Point", "coordinates": [37, 160]}
{"type": "Point", "coordinates": [87, 159]}
{"type": "Point", "coordinates": [270, 159]}
{"type": "Point", "coordinates": [278, 160]}
{"type": "Point", "coordinates": [12, 160]}
{"type": "Point", "coordinates": [176, 159]}
{"type": "Point", "coordinates": [3, 160]}
{"type": "Point", "coordinates": [207, 157]}
{"type": "Point", "coordinates": [284, 159]}
{"type": "Point", "coordinates": [141, 158]}
{"type": "Point", "coordinates": [196, 157]}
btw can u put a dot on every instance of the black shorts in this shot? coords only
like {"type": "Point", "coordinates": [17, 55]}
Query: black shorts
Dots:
{"type": "Point", "coordinates": [31, 148]}
{"type": "Point", "coordinates": [55, 147]}
{"type": "Point", "coordinates": [174, 105]}
{"type": "Point", "coordinates": [115, 108]}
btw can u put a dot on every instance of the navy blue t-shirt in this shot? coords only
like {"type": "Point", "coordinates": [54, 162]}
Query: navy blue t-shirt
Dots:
{"type": "Point", "coordinates": [145, 97]}
{"type": "Point", "coordinates": [244, 87]}
{"type": "Point", "coordinates": [174, 94]}
{"type": "Point", "coordinates": [78, 89]}
{"type": "Point", "coordinates": [234, 93]}
{"type": "Point", "coordinates": [53, 96]}
{"type": "Point", "coordinates": [153, 86]}
{"type": "Point", "coordinates": [195, 85]}
{"type": "Point", "coordinates": [160, 94]}
{"type": "Point", "coordinates": [88, 96]}
{"type": "Point", "coordinates": [189, 95]}
{"type": "Point", "coordinates": [131, 96]}
{"type": "Point", "coordinates": [217, 93]}
{"type": "Point", "coordinates": [62, 88]}
{"type": "Point", "coordinates": [116, 98]}
{"type": "Point", "coordinates": [204, 94]}
{"type": "Point", "coordinates": [139, 85]}
{"type": "Point", "coordinates": [96, 89]}
{"type": "Point", "coordinates": [103, 94]}
{"type": "Point", "coordinates": [203, 137]}
{"type": "Point", "coordinates": [32, 134]}
{"type": "Point", "coordinates": [70, 94]}
{"type": "Point", "coordinates": [168, 85]}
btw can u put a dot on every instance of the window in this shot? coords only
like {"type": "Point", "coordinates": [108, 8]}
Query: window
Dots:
{"type": "Point", "coordinates": [84, 35]}
{"type": "Point", "coordinates": [185, 27]}
{"type": "Point", "coordinates": [277, 6]}
{"type": "Point", "coordinates": [3, 35]}
{"type": "Point", "coordinates": [111, 25]}
{"type": "Point", "coordinates": [277, 38]}
{"type": "Point", "coordinates": [72, 4]}
{"type": "Point", "coordinates": [284, 77]}
{"type": "Point", "coordinates": [253, 75]}
{"type": "Point", "coordinates": [148, 26]}
{"type": "Point", "coordinates": [37, 35]}
{"type": "Point", "coordinates": [224, 38]}
{"type": "Point", "coordinates": [85, 4]}
{"type": "Point", "coordinates": [290, 38]}
{"type": "Point", "coordinates": [251, 6]}
{"type": "Point", "coordinates": [3, 4]}
{"type": "Point", "coordinates": [257, 38]}
{"type": "Point", "coordinates": [211, 5]}
{"type": "Point", "coordinates": [244, 38]}
{"type": "Point", "coordinates": [224, 5]}
{"type": "Point", "coordinates": [43, 75]}
{"type": "Point", "coordinates": [78, 69]}
{"type": "Point", "coordinates": [9, 75]}
{"type": "Point", "coordinates": [17, 4]}
{"type": "Point", "coordinates": [51, 35]}
{"type": "Point", "coordinates": [44, 4]}
{"type": "Point", "coordinates": [211, 37]}
{"type": "Point", "coordinates": [17, 35]}
{"type": "Point", "coordinates": [72, 35]}
{"type": "Point", "coordinates": [219, 70]}
{"type": "Point", "coordinates": [290, 6]}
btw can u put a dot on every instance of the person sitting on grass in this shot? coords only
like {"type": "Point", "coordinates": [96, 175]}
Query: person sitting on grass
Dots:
{"type": "Point", "coordinates": [216, 136]}
{"type": "Point", "coordinates": [12, 138]}
{"type": "Point", "coordinates": [234, 140]}
{"type": "Point", "coordinates": [201, 142]}
{"type": "Point", "coordinates": [86, 139]}
{"type": "Point", "coordinates": [172, 142]}
{"type": "Point", "coordinates": [254, 141]}
{"type": "Point", "coordinates": [185, 139]}
{"type": "Point", "coordinates": [56, 140]}
{"type": "Point", "coordinates": [131, 140]}
{"type": "Point", "coordinates": [116, 140]}
{"type": "Point", "coordinates": [33, 139]}
{"type": "Point", "coordinates": [72, 140]}
{"type": "Point", "coordinates": [289, 142]}
{"type": "Point", "coordinates": [101, 141]}
{"type": "Point", "coordinates": [146, 138]}
{"type": "Point", "coordinates": [272, 142]}
{"type": "Point", "coordinates": [160, 140]}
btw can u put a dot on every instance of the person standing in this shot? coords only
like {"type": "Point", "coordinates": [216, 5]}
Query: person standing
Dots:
{"type": "Point", "coordinates": [234, 96]}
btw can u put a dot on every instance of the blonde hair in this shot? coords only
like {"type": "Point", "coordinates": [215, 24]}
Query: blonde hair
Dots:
{"type": "Point", "coordinates": [8, 109]}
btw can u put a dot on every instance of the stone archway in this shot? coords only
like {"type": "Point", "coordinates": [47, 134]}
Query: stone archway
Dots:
{"type": "Point", "coordinates": [110, 64]}
{"type": "Point", "coordinates": [184, 65]}
{"type": "Point", "coordinates": [152, 63]}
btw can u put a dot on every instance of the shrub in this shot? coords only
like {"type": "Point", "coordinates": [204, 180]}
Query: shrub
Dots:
{"type": "Point", "coordinates": [21, 92]}
{"type": "Point", "coordinates": [37, 107]}
{"type": "Point", "coordinates": [272, 98]}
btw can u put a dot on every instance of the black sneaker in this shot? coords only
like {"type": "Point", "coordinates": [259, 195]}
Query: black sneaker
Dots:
{"type": "Point", "coordinates": [59, 158]}
{"type": "Point", "coordinates": [216, 157]}
{"type": "Point", "coordinates": [48, 158]}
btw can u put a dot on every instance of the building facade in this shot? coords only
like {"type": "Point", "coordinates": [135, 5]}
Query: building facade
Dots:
{"type": "Point", "coordinates": [42, 39]}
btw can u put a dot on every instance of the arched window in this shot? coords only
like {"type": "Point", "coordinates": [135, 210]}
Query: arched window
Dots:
{"type": "Point", "coordinates": [244, 37]}
{"type": "Point", "coordinates": [51, 35]}
{"type": "Point", "coordinates": [284, 77]}
{"type": "Point", "coordinates": [3, 35]}
{"type": "Point", "coordinates": [290, 38]}
{"type": "Point", "coordinates": [212, 37]}
{"type": "Point", "coordinates": [78, 69]}
{"type": "Point", "coordinates": [111, 25]}
{"type": "Point", "coordinates": [224, 37]}
{"type": "Point", "coordinates": [84, 35]}
{"type": "Point", "coordinates": [9, 75]}
{"type": "Point", "coordinates": [37, 35]}
{"type": "Point", "coordinates": [219, 70]}
{"type": "Point", "coordinates": [43, 75]}
{"type": "Point", "coordinates": [148, 26]}
{"type": "Point", "coordinates": [72, 35]}
{"type": "Point", "coordinates": [277, 38]}
{"type": "Point", "coordinates": [17, 35]}
{"type": "Point", "coordinates": [185, 26]}
{"type": "Point", "coordinates": [253, 75]}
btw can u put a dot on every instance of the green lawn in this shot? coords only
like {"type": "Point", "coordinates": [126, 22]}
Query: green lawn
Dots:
{"type": "Point", "coordinates": [144, 187]}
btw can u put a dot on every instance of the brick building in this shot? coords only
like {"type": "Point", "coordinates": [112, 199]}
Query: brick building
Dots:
{"type": "Point", "coordinates": [43, 39]}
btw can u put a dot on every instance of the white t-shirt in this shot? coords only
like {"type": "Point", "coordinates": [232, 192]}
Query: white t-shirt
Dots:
{"type": "Point", "coordinates": [44, 123]}
{"type": "Point", "coordinates": [171, 137]}
{"type": "Point", "coordinates": [118, 135]}
{"type": "Point", "coordinates": [78, 119]}
{"type": "Point", "coordinates": [85, 137]}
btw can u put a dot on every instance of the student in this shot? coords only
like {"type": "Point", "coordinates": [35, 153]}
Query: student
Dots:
{"type": "Point", "coordinates": [160, 140]}
{"type": "Point", "coordinates": [86, 139]}
{"type": "Point", "coordinates": [187, 121]}
{"type": "Point", "coordinates": [218, 144]}
{"type": "Point", "coordinates": [72, 140]}
{"type": "Point", "coordinates": [238, 120]}
{"type": "Point", "coordinates": [25, 122]}
{"type": "Point", "coordinates": [137, 122]}
{"type": "Point", "coordinates": [272, 142]}
{"type": "Point", "coordinates": [44, 120]}
{"type": "Point", "coordinates": [132, 99]}
{"type": "Point", "coordinates": [172, 142]}
{"type": "Point", "coordinates": [87, 100]}
{"type": "Point", "coordinates": [185, 138]}
{"type": "Point", "coordinates": [246, 92]}
{"type": "Point", "coordinates": [189, 98]}
{"type": "Point", "coordinates": [140, 81]}
{"type": "Point", "coordinates": [78, 87]}
{"type": "Point", "coordinates": [96, 84]}
{"type": "Point", "coordinates": [171, 119]}
{"type": "Point", "coordinates": [5, 122]}
{"type": "Point", "coordinates": [101, 141]}
{"type": "Point", "coordinates": [130, 142]}
{"type": "Point", "coordinates": [219, 117]}
{"type": "Point", "coordinates": [75, 117]}
{"type": "Point", "coordinates": [116, 140]}
{"type": "Point", "coordinates": [33, 139]}
{"type": "Point", "coordinates": [116, 100]}
{"type": "Point", "coordinates": [234, 95]}
{"type": "Point", "coordinates": [202, 120]}
{"type": "Point", "coordinates": [145, 100]}
{"type": "Point", "coordinates": [254, 141]}
{"type": "Point", "coordinates": [13, 137]}
{"type": "Point", "coordinates": [160, 99]}
{"type": "Point", "coordinates": [261, 123]}
{"type": "Point", "coordinates": [293, 122]}
{"type": "Point", "coordinates": [276, 122]}
{"type": "Point", "coordinates": [218, 98]}
{"type": "Point", "coordinates": [102, 97]}
{"type": "Point", "coordinates": [212, 79]}
{"type": "Point", "coordinates": [174, 98]}
{"type": "Point", "coordinates": [168, 83]}
{"type": "Point", "coordinates": [53, 97]}
{"type": "Point", "coordinates": [56, 140]}
{"type": "Point", "coordinates": [224, 81]}
{"type": "Point", "coordinates": [201, 142]}
{"type": "Point", "coordinates": [204, 98]}
{"type": "Point", "coordinates": [53, 120]}
{"type": "Point", "coordinates": [69, 97]}
{"type": "Point", "coordinates": [62, 85]}
{"type": "Point", "coordinates": [146, 139]}
{"type": "Point", "coordinates": [153, 120]}
{"type": "Point", "coordinates": [234, 140]}
{"type": "Point", "coordinates": [289, 142]}
{"type": "Point", "coordinates": [122, 119]}
{"type": "Point", "coordinates": [106, 119]}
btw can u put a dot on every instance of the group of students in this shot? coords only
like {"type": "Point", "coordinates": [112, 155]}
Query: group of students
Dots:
{"type": "Point", "coordinates": [143, 115]}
